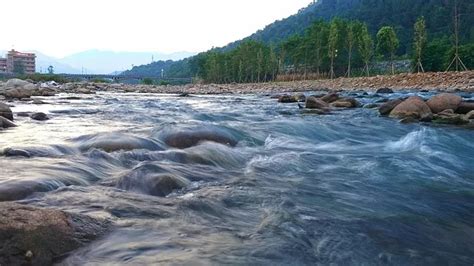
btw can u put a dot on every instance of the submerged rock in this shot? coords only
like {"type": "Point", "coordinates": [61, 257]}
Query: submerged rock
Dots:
{"type": "Point", "coordinates": [39, 116]}
{"type": "Point", "coordinates": [151, 179]}
{"type": "Point", "coordinates": [6, 112]}
{"type": "Point", "coordinates": [331, 97]}
{"type": "Point", "coordinates": [449, 117]}
{"type": "Point", "coordinates": [5, 123]}
{"type": "Point", "coordinates": [443, 102]}
{"type": "Point", "coordinates": [10, 152]}
{"type": "Point", "coordinates": [412, 107]}
{"type": "Point", "coordinates": [387, 107]}
{"type": "Point", "coordinates": [316, 103]}
{"type": "Point", "coordinates": [346, 103]}
{"type": "Point", "coordinates": [469, 115]}
{"type": "Point", "coordinates": [384, 90]}
{"type": "Point", "coordinates": [37, 236]}
{"type": "Point", "coordinates": [287, 99]}
{"type": "Point", "coordinates": [159, 185]}
{"type": "Point", "coordinates": [111, 142]}
{"type": "Point", "coordinates": [186, 138]}
{"type": "Point", "coordinates": [465, 107]}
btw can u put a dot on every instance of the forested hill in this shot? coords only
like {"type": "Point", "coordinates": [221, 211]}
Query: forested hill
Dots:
{"type": "Point", "coordinates": [401, 14]}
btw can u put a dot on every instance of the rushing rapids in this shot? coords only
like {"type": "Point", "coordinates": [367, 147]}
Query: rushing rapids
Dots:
{"type": "Point", "coordinates": [245, 180]}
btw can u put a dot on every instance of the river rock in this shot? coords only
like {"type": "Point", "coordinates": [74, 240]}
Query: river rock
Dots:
{"type": "Point", "coordinates": [5, 123]}
{"type": "Point", "coordinates": [387, 107]}
{"type": "Point", "coordinates": [331, 97]}
{"type": "Point", "coordinates": [287, 99]}
{"type": "Point", "coordinates": [187, 138]}
{"type": "Point", "coordinates": [111, 142]}
{"type": "Point", "coordinates": [469, 115]}
{"type": "Point", "coordinates": [159, 185]}
{"type": "Point", "coordinates": [38, 236]}
{"type": "Point", "coordinates": [6, 112]}
{"type": "Point", "coordinates": [444, 101]}
{"type": "Point", "coordinates": [449, 117]}
{"type": "Point", "coordinates": [412, 107]}
{"type": "Point", "coordinates": [346, 103]}
{"type": "Point", "coordinates": [465, 107]}
{"type": "Point", "coordinates": [384, 90]}
{"type": "Point", "coordinates": [300, 97]}
{"type": "Point", "coordinates": [39, 116]}
{"type": "Point", "coordinates": [371, 105]}
{"type": "Point", "coordinates": [17, 88]}
{"type": "Point", "coordinates": [11, 152]}
{"type": "Point", "coordinates": [316, 103]}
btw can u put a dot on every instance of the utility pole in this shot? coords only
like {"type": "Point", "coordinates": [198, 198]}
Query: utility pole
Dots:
{"type": "Point", "coordinates": [456, 60]}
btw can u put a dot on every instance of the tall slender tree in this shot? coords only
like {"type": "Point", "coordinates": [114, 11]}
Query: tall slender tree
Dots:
{"type": "Point", "coordinates": [333, 40]}
{"type": "Point", "coordinates": [366, 47]}
{"type": "Point", "coordinates": [350, 42]}
{"type": "Point", "coordinates": [419, 42]}
{"type": "Point", "coordinates": [387, 44]}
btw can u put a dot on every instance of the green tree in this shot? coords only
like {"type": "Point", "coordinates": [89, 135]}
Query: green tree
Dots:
{"type": "Point", "coordinates": [419, 42]}
{"type": "Point", "coordinates": [387, 44]}
{"type": "Point", "coordinates": [333, 40]}
{"type": "Point", "coordinates": [50, 70]}
{"type": "Point", "coordinates": [350, 42]}
{"type": "Point", "coordinates": [18, 68]}
{"type": "Point", "coordinates": [366, 47]}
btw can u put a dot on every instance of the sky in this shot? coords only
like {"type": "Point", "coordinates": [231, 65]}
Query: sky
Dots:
{"type": "Point", "coordinates": [62, 27]}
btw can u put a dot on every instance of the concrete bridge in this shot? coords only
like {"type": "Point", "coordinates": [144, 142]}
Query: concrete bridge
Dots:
{"type": "Point", "coordinates": [124, 78]}
{"type": "Point", "coordinates": [114, 78]}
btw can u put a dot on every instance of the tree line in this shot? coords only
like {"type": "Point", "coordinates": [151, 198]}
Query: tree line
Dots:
{"type": "Point", "coordinates": [334, 49]}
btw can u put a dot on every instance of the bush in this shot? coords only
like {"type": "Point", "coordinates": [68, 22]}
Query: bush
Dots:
{"type": "Point", "coordinates": [147, 81]}
{"type": "Point", "coordinates": [45, 78]}
{"type": "Point", "coordinates": [164, 83]}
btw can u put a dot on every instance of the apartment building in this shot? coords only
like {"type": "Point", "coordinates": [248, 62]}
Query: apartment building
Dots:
{"type": "Point", "coordinates": [18, 62]}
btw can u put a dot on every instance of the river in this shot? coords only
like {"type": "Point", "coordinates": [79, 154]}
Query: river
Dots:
{"type": "Point", "coordinates": [349, 188]}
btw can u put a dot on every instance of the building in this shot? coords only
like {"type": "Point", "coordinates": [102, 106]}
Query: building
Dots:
{"type": "Point", "coordinates": [20, 63]}
{"type": "Point", "coordinates": [3, 65]}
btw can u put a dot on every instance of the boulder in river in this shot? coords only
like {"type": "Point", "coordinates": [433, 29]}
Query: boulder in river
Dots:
{"type": "Point", "coordinates": [331, 97]}
{"type": "Point", "coordinates": [17, 88]}
{"type": "Point", "coordinates": [5, 123]}
{"type": "Point", "coordinates": [469, 115]}
{"type": "Point", "coordinates": [187, 138]}
{"type": "Point", "coordinates": [316, 103]}
{"type": "Point", "coordinates": [449, 117]}
{"type": "Point", "coordinates": [384, 91]}
{"type": "Point", "coordinates": [39, 116]}
{"type": "Point", "coordinates": [287, 99]}
{"type": "Point", "coordinates": [37, 236]}
{"type": "Point", "coordinates": [414, 107]}
{"type": "Point", "coordinates": [387, 107]}
{"type": "Point", "coordinates": [159, 185]}
{"type": "Point", "coordinates": [465, 107]}
{"type": "Point", "coordinates": [11, 152]}
{"type": "Point", "coordinates": [443, 102]}
{"type": "Point", "coordinates": [346, 103]}
{"type": "Point", "coordinates": [6, 112]}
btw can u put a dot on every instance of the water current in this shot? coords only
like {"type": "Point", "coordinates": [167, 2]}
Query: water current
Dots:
{"type": "Point", "coordinates": [292, 188]}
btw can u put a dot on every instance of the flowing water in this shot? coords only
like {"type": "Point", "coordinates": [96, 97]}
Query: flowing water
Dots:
{"type": "Point", "coordinates": [348, 188]}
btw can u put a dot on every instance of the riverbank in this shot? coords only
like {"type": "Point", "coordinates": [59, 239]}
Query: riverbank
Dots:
{"type": "Point", "coordinates": [443, 82]}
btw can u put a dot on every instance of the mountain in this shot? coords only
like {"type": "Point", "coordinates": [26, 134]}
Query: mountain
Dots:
{"type": "Point", "coordinates": [105, 62]}
{"type": "Point", "coordinates": [43, 62]}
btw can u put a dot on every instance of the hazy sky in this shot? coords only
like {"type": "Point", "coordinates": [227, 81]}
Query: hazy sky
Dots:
{"type": "Point", "coordinates": [62, 27]}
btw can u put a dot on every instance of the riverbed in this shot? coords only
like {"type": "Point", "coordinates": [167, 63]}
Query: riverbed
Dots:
{"type": "Point", "coordinates": [349, 188]}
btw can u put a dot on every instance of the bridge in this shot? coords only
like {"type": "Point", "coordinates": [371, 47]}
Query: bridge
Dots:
{"type": "Point", "coordinates": [113, 78]}
{"type": "Point", "coordinates": [126, 78]}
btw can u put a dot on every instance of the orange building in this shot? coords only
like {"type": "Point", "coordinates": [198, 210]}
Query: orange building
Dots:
{"type": "Point", "coordinates": [15, 61]}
